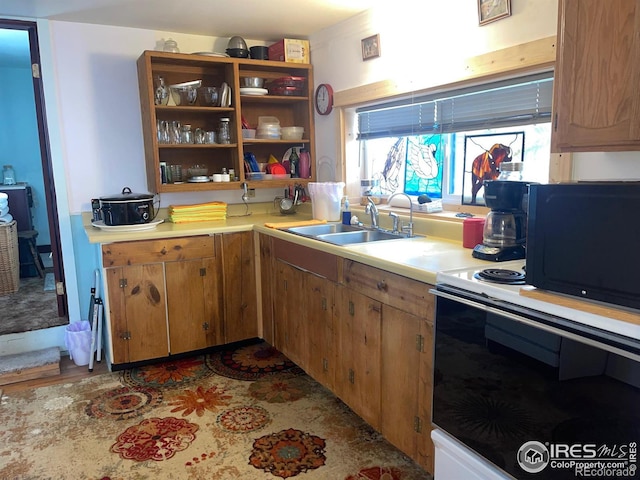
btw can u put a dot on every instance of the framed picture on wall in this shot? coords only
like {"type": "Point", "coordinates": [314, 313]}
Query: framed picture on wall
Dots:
{"type": "Point", "coordinates": [492, 10]}
{"type": "Point", "coordinates": [371, 47]}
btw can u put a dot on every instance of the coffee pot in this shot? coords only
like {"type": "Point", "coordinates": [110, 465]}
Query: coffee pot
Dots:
{"type": "Point", "coordinates": [505, 228]}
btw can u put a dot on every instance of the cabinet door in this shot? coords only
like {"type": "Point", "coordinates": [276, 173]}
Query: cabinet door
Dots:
{"type": "Point", "coordinates": [357, 320]}
{"type": "Point", "coordinates": [240, 304]}
{"type": "Point", "coordinates": [407, 383]}
{"type": "Point", "coordinates": [137, 309]}
{"type": "Point", "coordinates": [290, 332]}
{"type": "Point", "coordinates": [426, 450]}
{"type": "Point", "coordinates": [267, 283]}
{"type": "Point", "coordinates": [596, 97]}
{"type": "Point", "coordinates": [194, 304]}
{"type": "Point", "coordinates": [319, 357]}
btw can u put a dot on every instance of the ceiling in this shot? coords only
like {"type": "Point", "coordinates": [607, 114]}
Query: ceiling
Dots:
{"type": "Point", "coordinates": [257, 20]}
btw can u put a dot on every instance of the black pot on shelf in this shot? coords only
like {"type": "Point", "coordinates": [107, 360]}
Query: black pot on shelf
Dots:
{"type": "Point", "coordinates": [259, 52]}
{"type": "Point", "coordinates": [238, 52]}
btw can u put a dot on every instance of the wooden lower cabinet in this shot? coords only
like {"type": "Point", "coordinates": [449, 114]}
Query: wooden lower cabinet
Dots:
{"type": "Point", "coordinates": [137, 308]}
{"type": "Point", "coordinates": [239, 277]}
{"type": "Point", "coordinates": [164, 297]}
{"type": "Point", "coordinates": [194, 304]}
{"type": "Point", "coordinates": [364, 333]}
{"type": "Point", "coordinates": [358, 331]}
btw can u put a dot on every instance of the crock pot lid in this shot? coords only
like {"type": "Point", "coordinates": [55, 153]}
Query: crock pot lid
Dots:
{"type": "Point", "coordinates": [127, 195]}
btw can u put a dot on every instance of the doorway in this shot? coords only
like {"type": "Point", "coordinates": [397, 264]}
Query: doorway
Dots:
{"type": "Point", "coordinates": [25, 145]}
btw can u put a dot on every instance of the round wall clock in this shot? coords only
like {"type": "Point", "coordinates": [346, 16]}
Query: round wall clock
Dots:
{"type": "Point", "coordinates": [324, 99]}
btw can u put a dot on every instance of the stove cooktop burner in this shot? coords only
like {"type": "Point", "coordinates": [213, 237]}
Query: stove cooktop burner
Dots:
{"type": "Point", "coordinates": [501, 275]}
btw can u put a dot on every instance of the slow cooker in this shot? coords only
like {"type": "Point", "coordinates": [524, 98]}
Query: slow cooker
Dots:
{"type": "Point", "coordinates": [127, 208]}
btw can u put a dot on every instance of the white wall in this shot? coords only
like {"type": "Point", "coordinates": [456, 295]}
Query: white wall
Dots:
{"type": "Point", "coordinates": [97, 82]}
{"type": "Point", "coordinates": [421, 44]}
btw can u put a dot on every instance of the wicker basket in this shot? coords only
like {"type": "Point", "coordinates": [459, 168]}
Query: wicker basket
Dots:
{"type": "Point", "coordinates": [9, 258]}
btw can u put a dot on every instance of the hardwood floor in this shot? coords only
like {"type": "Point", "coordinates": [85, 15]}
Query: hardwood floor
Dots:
{"type": "Point", "coordinates": [69, 372]}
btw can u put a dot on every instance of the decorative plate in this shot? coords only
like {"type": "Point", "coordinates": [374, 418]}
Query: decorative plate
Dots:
{"type": "Point", "coordinates": [253, 91]}
{"type": "Point", "coordinates": [199, 179]}
{"type": "Point", "coordinates": [127, 228]}
{"type": "Point", "coordinates": [210, 54]}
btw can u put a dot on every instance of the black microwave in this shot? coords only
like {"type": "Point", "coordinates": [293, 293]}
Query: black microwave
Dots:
{"type": "Point", "coordinates": [583, 239]}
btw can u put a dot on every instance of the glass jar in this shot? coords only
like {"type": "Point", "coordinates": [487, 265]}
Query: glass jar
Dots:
{"type": "Point", "coordinates": [8, 175]}
{"type": "Point", "coordinates": [224, 131]}
{"type": "Point", "coordinates": [171, 45]}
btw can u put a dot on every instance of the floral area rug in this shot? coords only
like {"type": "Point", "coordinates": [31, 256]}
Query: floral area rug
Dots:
{"type": "Point", "coordinates": [243, 413]}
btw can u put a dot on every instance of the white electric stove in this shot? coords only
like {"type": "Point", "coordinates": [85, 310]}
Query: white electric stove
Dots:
{"type": "Point", "coordinates": [467, 279]}
{"type": "Point", "coordinates": [453, 459]}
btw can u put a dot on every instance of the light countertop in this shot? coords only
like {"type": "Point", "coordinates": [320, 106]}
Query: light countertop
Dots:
{"type": "Point", "coordinates": [419, 258]}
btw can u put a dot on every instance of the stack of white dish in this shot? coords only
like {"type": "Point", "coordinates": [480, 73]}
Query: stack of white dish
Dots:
{"type": "Point", "coordinates": [5, 216]}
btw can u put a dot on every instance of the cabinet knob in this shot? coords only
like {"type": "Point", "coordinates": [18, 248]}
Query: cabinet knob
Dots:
{"type": "Point", "coordinates": [382, 285]}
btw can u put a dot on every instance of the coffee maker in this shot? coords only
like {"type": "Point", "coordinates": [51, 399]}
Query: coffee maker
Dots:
{"type": "Point", "coordinates": [505, 228]}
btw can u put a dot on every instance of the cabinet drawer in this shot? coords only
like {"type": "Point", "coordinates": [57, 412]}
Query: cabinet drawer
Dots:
{"type": "Point", "coordinates": [153, 251]}
{"type": "Point", "coordinates": [314, 261]}
{"type": "Point", "coordinates": [389, 288]}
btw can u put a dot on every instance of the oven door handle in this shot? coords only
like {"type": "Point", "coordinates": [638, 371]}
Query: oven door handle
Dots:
{"type": "Point", "coordinates": [456, 298]}
{"type": "Point", "coordinates": [543, 326]}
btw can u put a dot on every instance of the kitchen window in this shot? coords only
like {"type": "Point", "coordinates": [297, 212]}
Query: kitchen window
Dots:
{"type": "Point", "coordinates": [418, 144]}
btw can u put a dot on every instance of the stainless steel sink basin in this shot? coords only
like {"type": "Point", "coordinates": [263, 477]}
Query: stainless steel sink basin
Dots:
{"type": "Point", "coordinates": [361, 236]}
{"type": "Point", "coordinates": [340, 234]}
{"type": "Point", "coordinates": [314, 230]}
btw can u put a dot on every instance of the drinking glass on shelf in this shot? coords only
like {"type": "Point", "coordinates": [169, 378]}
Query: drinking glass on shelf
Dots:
{"type": "Point", "coordinates": [199, 136]}
{"type": "Point", "coordinates": [163, 131]}
{"type": "Point", "coordinates": [210, 137]}
{"type": "Point", "coordinates": [175, 172]}
{"type": "Point", "coordinates": [186, 134]}
{"type": "Point", "coordinates": [174, 132]}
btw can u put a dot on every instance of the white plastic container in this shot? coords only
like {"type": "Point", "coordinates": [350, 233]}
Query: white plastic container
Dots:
{"type": "Point", "coordinates": [292, 133]}
{"type": "Point", "coordinates": [325, 200]}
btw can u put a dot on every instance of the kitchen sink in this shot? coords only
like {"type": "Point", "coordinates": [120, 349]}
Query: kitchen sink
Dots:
{"type": "Point", "coordinates": [340, 234]}
{"type": "Point", "coordinates": [361, 236]}
{"type": "Point", "coordinates": [313, 230]}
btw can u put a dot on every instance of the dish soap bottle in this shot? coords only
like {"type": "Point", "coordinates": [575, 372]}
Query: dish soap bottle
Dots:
{"type": "Point", "coordinates": [346, 213]}
{"type": "Point", "coordinates": [294, 164]}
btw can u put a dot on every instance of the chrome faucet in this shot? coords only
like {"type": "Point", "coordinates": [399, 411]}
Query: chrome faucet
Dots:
{"type": "Point", "coordinates": [406, 228]}
{"type": "Point", "coordinates": [372, 210]}
{"type": "Point", "coordinates": [395, 217]}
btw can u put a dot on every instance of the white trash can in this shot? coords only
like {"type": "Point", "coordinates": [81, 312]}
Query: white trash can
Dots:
{"type": "Point", "coordinates": [77, 339]}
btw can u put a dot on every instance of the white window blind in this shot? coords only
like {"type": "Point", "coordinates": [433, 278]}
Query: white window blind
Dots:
{"type": "Point", "coordinates": [521, 101]}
